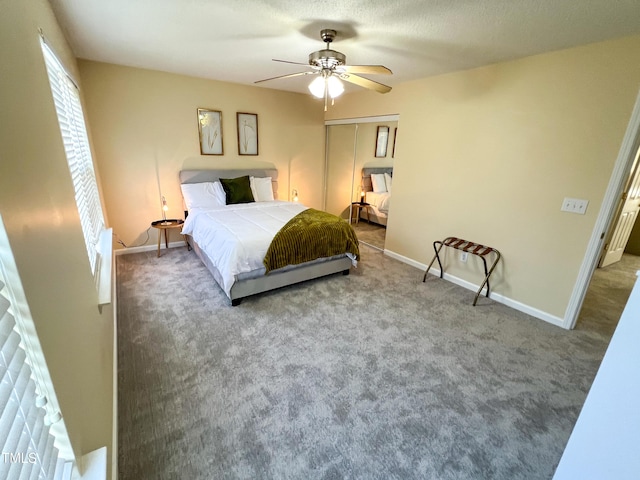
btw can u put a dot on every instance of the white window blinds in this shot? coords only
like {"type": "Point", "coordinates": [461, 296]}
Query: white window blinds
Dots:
{"type": "Point", "coordinates": [76, 143]}
{"type": "Point", "coordinates": [29, 450]}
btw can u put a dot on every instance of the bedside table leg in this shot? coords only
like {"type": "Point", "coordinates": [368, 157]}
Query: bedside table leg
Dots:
{"type": "Point", "coordinates": [166, 238]}
{"type": "Point", "coordinates": [159, 239]}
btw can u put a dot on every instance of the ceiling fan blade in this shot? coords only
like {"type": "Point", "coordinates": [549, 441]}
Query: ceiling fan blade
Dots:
{"type": "Point", "coordinates": [287, 61]}
{"type": "Point", "coordinates": [370, 69]}
{"type": "Point", "coordinates": [286, 76]}
{"type": "Point", "coordinates": [365, 82]}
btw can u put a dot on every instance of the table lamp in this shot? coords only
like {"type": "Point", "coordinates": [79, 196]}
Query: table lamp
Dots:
{"type": "Point", "coordinates": [164, 211]}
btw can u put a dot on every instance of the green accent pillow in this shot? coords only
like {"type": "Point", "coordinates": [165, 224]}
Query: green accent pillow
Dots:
{"type": "Point", "coordinates": [238, 190]}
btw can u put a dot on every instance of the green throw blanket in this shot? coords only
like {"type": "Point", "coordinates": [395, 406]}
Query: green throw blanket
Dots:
{"type": "Point", "coordinates": [310, 235]}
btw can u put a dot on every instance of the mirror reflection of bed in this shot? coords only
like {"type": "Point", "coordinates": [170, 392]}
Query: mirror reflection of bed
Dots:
{"type": "Point", "coordinates": [371, 219]}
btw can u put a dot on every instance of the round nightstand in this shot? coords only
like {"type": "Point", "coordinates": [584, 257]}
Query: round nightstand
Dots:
{"type": "Point", "coordinates": [356, 207]}
{"type": "Point", "coordinates": [167, 225]}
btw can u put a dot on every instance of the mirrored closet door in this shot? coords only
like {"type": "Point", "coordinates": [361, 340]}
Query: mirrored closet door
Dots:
{"type": "Point", "coordinates": [339, 169]}
{"type": "Point", "coordinates": [359, 174]}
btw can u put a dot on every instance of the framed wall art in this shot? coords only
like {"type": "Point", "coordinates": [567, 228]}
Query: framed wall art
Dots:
{"type": "Point", "coordinates": [382, 140]}
{"type": "Point", "coordinates": [210, 130]}
{"type": "Point", "coordinates": [247, 133]}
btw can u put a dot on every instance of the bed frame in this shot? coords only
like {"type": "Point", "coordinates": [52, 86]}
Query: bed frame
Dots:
{"type": "Point", "coordinates": [367, 186]}
{"type": "Point", "coordinates": [275, 279]}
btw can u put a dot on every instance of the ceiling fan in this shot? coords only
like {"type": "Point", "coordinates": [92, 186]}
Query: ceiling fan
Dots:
{"type": "Point", "coordinates": [331, 67]}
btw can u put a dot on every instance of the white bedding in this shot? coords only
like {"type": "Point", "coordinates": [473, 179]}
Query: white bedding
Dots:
{"type": "Point", "coordinates": [236, 237]}
{"type": "Point", "coordinates": [379, 200]}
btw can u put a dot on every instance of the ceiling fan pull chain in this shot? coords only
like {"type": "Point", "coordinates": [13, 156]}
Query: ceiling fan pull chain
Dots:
{"type": "Point", "coordinates": [326, 88]}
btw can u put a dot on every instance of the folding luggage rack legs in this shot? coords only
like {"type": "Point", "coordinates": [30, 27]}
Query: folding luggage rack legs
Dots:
{"type": "Point", "coordinates": [481, 251]}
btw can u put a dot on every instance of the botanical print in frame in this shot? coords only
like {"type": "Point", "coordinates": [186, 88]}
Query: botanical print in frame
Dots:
{"type": "Point", "coordinates": [382, 139]}
{"type": "Point", "coordinates": [210, 129]}
{"type": "Point", "coordinates": [247, 133]}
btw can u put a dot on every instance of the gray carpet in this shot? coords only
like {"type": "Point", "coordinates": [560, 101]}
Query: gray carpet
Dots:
{"type": "Point", "coordinates": [608, 292]}
{"type": "Point", "coordinates": [370, 233]}
{"type": "Point", "coordinates": [374, 375]}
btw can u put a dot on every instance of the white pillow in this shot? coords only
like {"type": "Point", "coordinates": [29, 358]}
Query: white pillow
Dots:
{"type": "Point", "coordinates": [387, 182]}
{"type": "Point", "coordinates": [377, 182]}
{"type": "Point", "coordinates": [261, 188]}
{"type": "Point", "coordinates": [202, 195]}
{"type": "Point", "coordinates": [219, 192]}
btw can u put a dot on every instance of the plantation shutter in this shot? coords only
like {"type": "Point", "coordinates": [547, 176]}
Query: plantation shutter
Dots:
{"type": "Point", "coordinates": [76, 144]}
{"type": "Point", "coordinates": [28, 449]}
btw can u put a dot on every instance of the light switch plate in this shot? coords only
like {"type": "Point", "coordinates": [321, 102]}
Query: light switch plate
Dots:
{"type": "Point", "coordinates": [574, 205]}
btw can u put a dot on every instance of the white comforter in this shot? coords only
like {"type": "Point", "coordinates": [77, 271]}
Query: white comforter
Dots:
{"type": "Point", "coordinates": [379, 200]}
{"type": "Point", "coordinates": [236, 237]}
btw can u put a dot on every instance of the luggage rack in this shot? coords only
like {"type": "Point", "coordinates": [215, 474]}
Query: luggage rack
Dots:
{"type": "Point", "coordinates": [481, 251]}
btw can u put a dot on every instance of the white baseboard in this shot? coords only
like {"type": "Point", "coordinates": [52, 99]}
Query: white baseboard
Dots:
{"type": "Point", "coordinates": [529, 310]}
{"type": "Point", "coordinates": [407, 260]}
{"type": "Point", "coordinates": [148, 248]}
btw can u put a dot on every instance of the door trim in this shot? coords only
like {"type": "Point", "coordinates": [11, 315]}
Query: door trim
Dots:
{"type": "Point", "coordinates": [395, 117]}
{"type": "Point", "coordinates": [619, 177]}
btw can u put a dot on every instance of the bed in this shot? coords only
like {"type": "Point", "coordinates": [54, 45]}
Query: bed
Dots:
{"type": "Point", "coordinates": [378, 198]}
{"type": "Point", "coordinates": [233, 241]}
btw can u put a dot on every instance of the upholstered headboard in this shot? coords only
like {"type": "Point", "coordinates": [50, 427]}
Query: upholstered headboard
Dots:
{"type": "Point", "coordinates": [199, 176]}
{"type": "Point", "coordinates": [366, 176]}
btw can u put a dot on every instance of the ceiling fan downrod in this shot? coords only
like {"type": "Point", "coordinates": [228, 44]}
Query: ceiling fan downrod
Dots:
{"type": "Point", "coordinates": [327, 58]}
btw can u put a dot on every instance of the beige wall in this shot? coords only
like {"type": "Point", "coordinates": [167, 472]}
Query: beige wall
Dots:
{"type": "Point", "coordinates": [489, 154]}
{"type": "Point", "coordinates": [145, 131]}
{"type": "Point", "coordinates": [38, 206]}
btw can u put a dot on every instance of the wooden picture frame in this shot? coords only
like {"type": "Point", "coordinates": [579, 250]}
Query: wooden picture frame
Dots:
{"type": "Point", "coordinates": [247, 126]}
{"type": "Point", "coordinates": [395, 139]}
{"type": "Point", "coordinates": [382, 140]}
{"type": "Point", "coordinates": [210, 132]}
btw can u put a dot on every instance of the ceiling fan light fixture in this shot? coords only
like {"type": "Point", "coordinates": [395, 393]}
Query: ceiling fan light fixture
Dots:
{"type": "Point", "coordinates": [334, 86]}
{"type": "Point", "coordinates": [331, 69]}
{"type": "Point", "coordinates": [316, 87]}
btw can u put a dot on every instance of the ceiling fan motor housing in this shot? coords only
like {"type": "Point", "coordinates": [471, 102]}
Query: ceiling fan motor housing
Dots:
{"type": "Point", "coordinates": [327, 59]}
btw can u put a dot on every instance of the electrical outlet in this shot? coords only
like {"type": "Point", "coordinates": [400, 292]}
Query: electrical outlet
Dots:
{"type": "Point", "coordinates": [464, 256]}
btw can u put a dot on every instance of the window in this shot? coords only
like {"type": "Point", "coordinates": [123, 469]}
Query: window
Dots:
{"type": "Point", "coordinates": [66, 98]}
{"type": "Point", "coordinates": [76, 144]}
{"type": "Point", "coordinates": [35, 440]}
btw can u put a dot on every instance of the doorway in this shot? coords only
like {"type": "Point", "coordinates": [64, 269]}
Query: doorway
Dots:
{"type": "Point", "coordinates": [613, 280]}
{"type": "Point", "coordinates": [627, 214]}
{"type": "Point", "coordinates": [610, 205]}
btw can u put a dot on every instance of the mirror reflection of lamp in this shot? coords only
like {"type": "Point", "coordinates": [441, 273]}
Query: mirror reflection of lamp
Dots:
{"type": "Point", "coordinates": [165, 208]}
{"type": "Point", "coordinates": [361, 193]}
{"type": "Point", "coordinates": [294, 195]}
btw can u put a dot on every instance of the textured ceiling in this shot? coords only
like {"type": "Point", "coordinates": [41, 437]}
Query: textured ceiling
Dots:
{"type": "Point", "coordinates": [235, 41]}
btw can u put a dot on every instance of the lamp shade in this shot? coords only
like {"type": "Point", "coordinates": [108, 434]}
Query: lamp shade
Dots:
{"type": "Point", "coordinates": [335, 87]}
{"type": "Point", "coordinates": [316, 87]}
